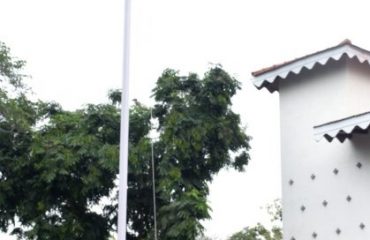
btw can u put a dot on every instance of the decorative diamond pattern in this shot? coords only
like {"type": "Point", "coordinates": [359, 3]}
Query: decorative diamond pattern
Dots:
{"type": "Point", "coordinates": [325, 203]}
{"type": "Point", "coordinates": [362, 226]}
{"type": "Point", "coordinates": [303, 208]}
{"type": "Point", "coordinates": [359, 165]}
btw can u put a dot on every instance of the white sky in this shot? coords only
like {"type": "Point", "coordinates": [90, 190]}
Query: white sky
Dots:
{"type": "Point", "coordinates": [74, 54]}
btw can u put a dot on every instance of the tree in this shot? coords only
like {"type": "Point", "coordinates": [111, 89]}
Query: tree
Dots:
{"type": "Point", "coordinates": [198, 133]}
{"type": "Point", "coordinates": [17, 116]}
{"type": "Point", "coordinates": [260, 232]}
{"type": "Point", "coordinates": [54, 164]}
{"type": "Point", "coordinates": [10, 68]}
{"type": "Point", "coordinates": [58, 168]}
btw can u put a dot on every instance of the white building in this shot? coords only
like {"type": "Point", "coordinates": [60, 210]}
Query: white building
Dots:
{"type": "Point", "coordinates": [325, 145]}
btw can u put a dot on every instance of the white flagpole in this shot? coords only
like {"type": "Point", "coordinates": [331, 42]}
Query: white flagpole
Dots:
{"type": "Point", "coordinates": [123, 163]}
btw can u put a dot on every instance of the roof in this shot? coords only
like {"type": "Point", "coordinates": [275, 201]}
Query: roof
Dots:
{"type": "Point", "coordinates": [343, 128]}
{"type": "Point", "coordinates": [268, 77]}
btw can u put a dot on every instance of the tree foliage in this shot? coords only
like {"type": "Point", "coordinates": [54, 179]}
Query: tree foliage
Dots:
{"type": "Point", "coordinates": [10, 68]}
{"type": "Point", "coordinates": [198, 131]}
{"type": "Point", "coordinates": [260, 232]}
{"type": "Point", "coordinates": [17, 116]}
{"type": "Point", "coordinates": [58, 168]}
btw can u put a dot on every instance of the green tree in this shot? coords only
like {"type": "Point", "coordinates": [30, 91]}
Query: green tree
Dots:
{"type": "Point", "coordinates": [58, 168]}
{"type": "Point", "coordinates": [260, 232]}
{"type": "Point", "coordinates": [17, 116]}
{"type": "Point", "coordinates": [10, 68]}
{"type": "Point", "coordinates": [199, 133]}
{"type": "Point", "coordinates": [54, 164]}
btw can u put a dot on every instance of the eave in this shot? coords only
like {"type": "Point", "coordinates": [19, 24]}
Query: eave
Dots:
{"type": "Point", "coordinates": [343, 128]}
{"type": "Point", "coordinates": [269, 77]}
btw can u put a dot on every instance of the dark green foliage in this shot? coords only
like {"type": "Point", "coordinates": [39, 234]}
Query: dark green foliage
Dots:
{"type": "Point", "coordinates": [198, 131]}
{"type": "Point", "coordinates": [17, 115]}
{"type": "Point", "coordinates": [140, 198]}
{"type": "Point", "coordinates": [54, 165]}
{"type": "Point", "coordinates": [57, 166]}
{"type": "Point", "coordinates": [10, 68]}
{"type": "Point", "coordinates": [260, 232]}
{"type": "Point", "coordinates": [71, 165]}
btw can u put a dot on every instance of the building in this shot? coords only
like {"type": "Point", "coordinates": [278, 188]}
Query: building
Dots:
{"type": "Point", "coordinates": [325, 145]}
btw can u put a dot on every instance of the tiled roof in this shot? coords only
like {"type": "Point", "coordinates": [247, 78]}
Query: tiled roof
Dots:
{"type": "Point", "coordinates": [266, 77]}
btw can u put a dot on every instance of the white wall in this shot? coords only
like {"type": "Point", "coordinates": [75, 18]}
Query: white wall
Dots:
{"type": "Point", "coordinates": [314, 97]}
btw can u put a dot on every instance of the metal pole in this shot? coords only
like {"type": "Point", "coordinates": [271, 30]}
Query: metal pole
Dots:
{"type": "Point", "coordinates": [153, 179]}
{"type": "Point", "coordinates": [123, 163]}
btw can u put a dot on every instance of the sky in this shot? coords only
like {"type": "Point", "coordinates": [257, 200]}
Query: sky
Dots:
{"type": "Point", "coordinates": [74, 52]}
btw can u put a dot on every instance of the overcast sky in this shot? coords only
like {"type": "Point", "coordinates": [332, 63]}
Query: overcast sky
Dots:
{"type": "Point", "coordinates": [73, 50]}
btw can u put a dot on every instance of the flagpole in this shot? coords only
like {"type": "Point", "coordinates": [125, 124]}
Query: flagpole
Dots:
{"type": "Point", "coordinates": [123, 163]}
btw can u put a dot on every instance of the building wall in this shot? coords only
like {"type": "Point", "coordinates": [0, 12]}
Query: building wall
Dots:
{"type": "Point", "coordinates": [315, 173]}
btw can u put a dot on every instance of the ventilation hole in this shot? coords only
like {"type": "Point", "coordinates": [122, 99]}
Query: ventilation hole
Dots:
{"type": "Point", "coordinates": [348, 198]}
{"type": "Point", "coordinates": [314, 235]}
{"type": "Point", "coordinates": [338, 231]}
{"type": "Point", "coordinates": [325, 203]}
{"type": "Point", "coordinates": [313, 176]}
{"type": "Point", "coordinates": [291, 182]}
{"type": "Point", "coordinates": [335, 171]}
{"type": "Point", "coordinates": [292, 238]}
{"type": "Point", "coordinates": [359, 165]}
{"type": "Point", "coordinates": [303, 208]}
{"type": "Point", "coordinates": [362, 226]}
